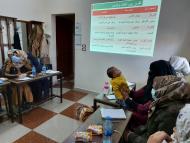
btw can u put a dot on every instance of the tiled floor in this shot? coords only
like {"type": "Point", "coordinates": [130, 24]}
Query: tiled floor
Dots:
{"type": "Point", "coordinates": [33, 137]}
{"type": "Point", "coordinates": [51, 122]}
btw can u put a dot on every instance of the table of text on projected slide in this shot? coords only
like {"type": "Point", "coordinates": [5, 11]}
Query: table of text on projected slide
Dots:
{"type": "Point", "coordinates": [124, 30]}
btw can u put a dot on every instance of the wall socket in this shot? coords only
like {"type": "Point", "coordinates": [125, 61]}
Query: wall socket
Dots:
{"type": "Point", "coordinates": [83, 47]}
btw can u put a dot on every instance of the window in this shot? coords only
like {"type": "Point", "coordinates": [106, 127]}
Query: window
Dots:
{"type": "Point", "coordinates": [7, 26]}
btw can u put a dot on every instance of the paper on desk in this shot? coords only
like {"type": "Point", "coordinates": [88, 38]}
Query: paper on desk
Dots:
{"type": "Point", "coordinates": [24, 78]}
{"type": "Point", "coordinates": [131, 85]}
{"type": "Point", "coordinates": [3, 78]}
{"type": "Point", "coordinates": [113, 113]}
{"type": "Point", "coordinates": [111, 97]}
{"type": "Point", "coordinates": [51, 71]}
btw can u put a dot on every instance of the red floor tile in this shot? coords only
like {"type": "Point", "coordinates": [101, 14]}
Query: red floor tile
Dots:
{"type": "Point", "coordinates": [66, 84]}
{"type": "Point", "coordinates": [71, 111]}
{"type": "Point", "coordinates": [33, 137]}
{"type": "Point", "coordinates": [74, 95]}
{"type": "Point", "coordinates": [37, 116]}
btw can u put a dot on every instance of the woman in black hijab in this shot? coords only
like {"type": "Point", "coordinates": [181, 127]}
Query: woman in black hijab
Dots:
{"type": "Point", "coordinates": [157, 68]}
{"type": "Point", "coordinates": [142, 98]}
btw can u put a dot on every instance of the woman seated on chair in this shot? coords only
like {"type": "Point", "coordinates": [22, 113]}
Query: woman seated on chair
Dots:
{"type": "Point", "coordinates": [141, 99]}
{"type": "Point", "coordinates": [181, 132]}
{"type": "Point", "coordinates": [157, 68]}
{"type": "Point", "coordinates": [40, 88]}
{"type": "Point", "coordinates": [170, 95]}
{"type": "Point", "coordinates": [16, 66]}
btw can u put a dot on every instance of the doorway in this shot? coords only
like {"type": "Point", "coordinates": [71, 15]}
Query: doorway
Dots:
{"type": "Point", "coordinates": [65, 28]}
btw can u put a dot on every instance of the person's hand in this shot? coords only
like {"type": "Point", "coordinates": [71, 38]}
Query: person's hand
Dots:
{"type": "Point", "coordinates": [126, 134]}
{"type": "Point", "coordinates": [124, 91]}
{"type": "Point", "coordinates": [159, 137]}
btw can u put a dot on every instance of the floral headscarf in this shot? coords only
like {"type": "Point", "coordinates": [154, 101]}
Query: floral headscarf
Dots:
{"type": "Point", "coordinates": [183, 126]}
{"type": "Point", "coordinates": [169, 89]}
{"type": "Point", "coordinates": [180, 64]}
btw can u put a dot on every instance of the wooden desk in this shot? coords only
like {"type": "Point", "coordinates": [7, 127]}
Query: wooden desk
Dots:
{"type": "Point", "coordinates": [96, 118]}
{"type": "Point", "coordinates": [101, 98]}
{"type": "Point", "coordinates": [18, 83]}
{"type": "Point", "coordinates": [7, 99]}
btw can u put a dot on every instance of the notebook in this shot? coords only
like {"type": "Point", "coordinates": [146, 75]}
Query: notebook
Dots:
{"type": "Point", "coordinates": [51, 71]}
{"type": "Point", "coordinates": [24, 78]}
{"type": "Point", "coordinates": [113, 113]}
{"type": "Point", "coordinates": [111, 97]}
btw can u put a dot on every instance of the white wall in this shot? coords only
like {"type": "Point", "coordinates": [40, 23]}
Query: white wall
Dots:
{"type": "Point", "coordinates": [90, 68]}
{"type": "Point", "coordinates": [24, 9]}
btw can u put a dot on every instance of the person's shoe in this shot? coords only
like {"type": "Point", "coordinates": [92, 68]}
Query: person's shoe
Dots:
{"type": "Point", "coordinates": [28, 105]}
{"type": "Point", "coordinates": [25, 106]}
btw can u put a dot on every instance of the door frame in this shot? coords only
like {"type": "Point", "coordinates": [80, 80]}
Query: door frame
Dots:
{"type": "Point", "coordinates": [54, 44]}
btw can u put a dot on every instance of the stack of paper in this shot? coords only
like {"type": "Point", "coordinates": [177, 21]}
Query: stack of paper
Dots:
{"type": "Point", "coordinates": [113, 113]}
{"type": "Point", "coordinates": [111, 97]}
{"type": "Point", "coordinates": [131, 85]}
{"type": "Point", "coordinates": [51, 71]}
{"type": "Point", "coordinates": [3, 78]}
{"type": "Point", "coordinates": [24, 78]}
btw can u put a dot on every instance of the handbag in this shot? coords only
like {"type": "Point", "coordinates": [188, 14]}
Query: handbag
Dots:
{"type": "Point", "coordinates": [83, 112]}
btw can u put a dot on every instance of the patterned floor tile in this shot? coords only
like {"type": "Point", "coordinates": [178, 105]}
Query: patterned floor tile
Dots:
{"type": "Point", "coordinates": [36, 117]}
{"type": "Point", "coordinates": [33, 137]}
{"type": "Point", "coordinates": [58, 128]}
{"type": "Point", "coordinates": [47, 125]}
{"type": "Point", "coordinates": [55, 105]}
{"type": "Point", "coordinates": [56, 91]}
{"type": "Point", "coordinates": [71, 111]}
{"type": "Point", "coordinates": [74, 95]}
{"type": "Point", "coordinates": [9, 132]}
{"type": "Point", "coordinates": [66, 84]}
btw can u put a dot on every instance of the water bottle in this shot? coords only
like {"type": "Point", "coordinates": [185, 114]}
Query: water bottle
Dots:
{"type": "Point", "coordinates": [106, 88]}
{"type": "Point", "coordinates": [107, 126]}
{"type": "Point", "coordinates": [43, 69]}
{"type": "Point", "coordinates": [33, 71]}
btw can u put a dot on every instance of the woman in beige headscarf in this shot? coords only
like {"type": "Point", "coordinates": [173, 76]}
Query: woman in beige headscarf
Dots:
{"type": "Point", "coordinates": [16, 66]}
{"type": "Point", "coordinates": [170, 95]}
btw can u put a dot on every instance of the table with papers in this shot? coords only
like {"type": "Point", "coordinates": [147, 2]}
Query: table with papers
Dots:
{"type": "Point", "coordinates": [24, 80]}
{"type": "Point", "coordinates": [101, 98]}
{"type": "Point", "coordinates": [113, 113]}
{"type": "Point", "coordinates": [110, 99]}
{"type": "Point", "coordinates": [119, 126]}
{"type": "Point", "coordinates": [7, 97]}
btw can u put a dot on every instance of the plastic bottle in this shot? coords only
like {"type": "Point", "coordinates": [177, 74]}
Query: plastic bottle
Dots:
{"type": "Point", "coordinates": [107, 126]}
{"type": "Point", "coordinates": [106, 88]}
{"type": "Point", "coordinates": [33, 71]}
{"type": "Point", "coordinates": [43, 69]}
